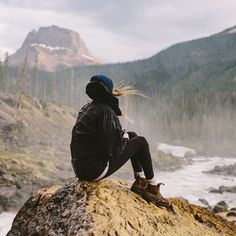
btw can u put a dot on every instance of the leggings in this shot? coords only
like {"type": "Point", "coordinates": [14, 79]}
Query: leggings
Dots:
{"type": "Point", "coordinates": [137, 149]}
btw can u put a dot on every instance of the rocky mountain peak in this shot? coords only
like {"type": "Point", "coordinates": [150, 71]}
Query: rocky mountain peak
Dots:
{"type": "Point", "coordinates": [51, 47]}
{"type": "Point", "coordinates": [108, 207]}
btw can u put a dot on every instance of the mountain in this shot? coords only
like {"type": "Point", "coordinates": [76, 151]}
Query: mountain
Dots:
{"type": "Point", "coordinates": [108, 207]}
{"type": "Point", "coordinates": [230, 30]}
{"type": "Point", "coordinates": [51, 47]}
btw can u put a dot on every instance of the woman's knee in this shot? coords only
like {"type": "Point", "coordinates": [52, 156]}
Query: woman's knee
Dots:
{"type": "Point", "coordinates": [144, 140]}
{"type": "Point", "coordinates": [140, 141]}
{"type": "Point", "coordinates": [132, 134]}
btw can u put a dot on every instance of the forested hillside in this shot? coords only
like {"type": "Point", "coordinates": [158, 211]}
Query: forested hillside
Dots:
{"type": "Point", "coordinates": [191, 89]}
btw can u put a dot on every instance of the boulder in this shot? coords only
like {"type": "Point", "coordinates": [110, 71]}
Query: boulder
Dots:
{"type": "Point", "coordinates": [223, 189]}
{"type": "Point", "coordinates": [220, 207]}
{"type": "Point", "coordinates": [108, 207]}
{"type": "Point", "coordinates": [231, 189]}
{"type": "Point", "coordinates": [213, 190]}
{"type": "Point", "coordinates": [231, 213]}
{"type": "Point", "coordinates": [223, 170]}
{"type": "Point", "coordinates": [206, 203]}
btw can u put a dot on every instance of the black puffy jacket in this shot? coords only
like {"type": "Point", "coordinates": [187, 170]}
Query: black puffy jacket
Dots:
{"type": "Point", "coordinates": [96, 138]}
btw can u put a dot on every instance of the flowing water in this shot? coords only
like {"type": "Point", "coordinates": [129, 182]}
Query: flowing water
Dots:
{"type": "Point", "coordinates": [188, 182]}
{"type": "Point", "coordinates": [191, 183]}
{"type": "Point", "coordinates": [6, 219]}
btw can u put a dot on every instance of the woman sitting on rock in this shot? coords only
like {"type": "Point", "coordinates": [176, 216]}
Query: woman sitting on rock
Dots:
{"type": "Point", "coordinates": [99, 145]}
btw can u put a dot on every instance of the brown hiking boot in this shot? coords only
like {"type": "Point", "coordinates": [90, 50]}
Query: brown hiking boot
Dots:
{"type": "Point", "coordinates": [152, 194]}
{"type": "Point", "coordinates": [139, 185]}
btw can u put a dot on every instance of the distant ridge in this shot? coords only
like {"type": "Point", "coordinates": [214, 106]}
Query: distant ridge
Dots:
{"type": "Point", "coordinates": [230, 30]}
{"type": "Point", "coordinates": [52, 47]}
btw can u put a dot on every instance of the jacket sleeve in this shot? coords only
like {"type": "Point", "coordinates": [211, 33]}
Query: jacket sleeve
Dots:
{"type": "Point", "coordinates": [114, 142]}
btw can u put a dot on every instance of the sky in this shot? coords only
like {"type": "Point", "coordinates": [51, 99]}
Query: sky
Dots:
{"type": "Point", "coordinates": [117, 30]}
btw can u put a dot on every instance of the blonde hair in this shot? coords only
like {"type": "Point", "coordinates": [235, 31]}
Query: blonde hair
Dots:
{"type": "Point", "coordinates": [125, 90]}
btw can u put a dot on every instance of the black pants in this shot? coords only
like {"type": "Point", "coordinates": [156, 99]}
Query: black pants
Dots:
{"type": "Point", "coordinates": [137, 149]}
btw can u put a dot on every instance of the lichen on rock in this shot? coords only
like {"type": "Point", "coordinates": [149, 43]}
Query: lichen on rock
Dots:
{"type": "Point", "coordinates": [108, 207]}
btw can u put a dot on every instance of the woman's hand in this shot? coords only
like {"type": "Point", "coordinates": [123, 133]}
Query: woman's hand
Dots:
{"type": "Point", "coordinates": [125, 135]}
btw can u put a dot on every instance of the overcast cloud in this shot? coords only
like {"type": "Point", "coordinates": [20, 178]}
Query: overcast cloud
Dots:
{"type": "Point", "coordinates": [117, 30]}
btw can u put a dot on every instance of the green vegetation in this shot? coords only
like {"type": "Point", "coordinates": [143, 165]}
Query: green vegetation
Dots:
{"type": "Point", "coordinates": [24, 167]}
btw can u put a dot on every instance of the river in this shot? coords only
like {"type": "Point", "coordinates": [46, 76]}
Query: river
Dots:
{"type": "Point", "coordinates": [188, 182]}
{"type": "Point", "coordinates": [191, 183]}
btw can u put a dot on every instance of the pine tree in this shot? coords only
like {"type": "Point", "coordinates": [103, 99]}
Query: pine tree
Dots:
{"type": "Point", "coordinates": [71, 87]}
{"type": "Point", "coordinates": [23, 82]}
{"type": "Point", "coordinates": [2, 82]}
{"type": "Point", "coordinates": [35, 80]}
{"type": "Point", "coordinates": [5, 73]}
{"type": "Point", "coordinates": [54, 87]}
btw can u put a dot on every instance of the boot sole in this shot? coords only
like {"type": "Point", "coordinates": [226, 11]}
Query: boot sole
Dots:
{"type": "Point", "coordinates": [169, 207]}
{"type": "Point", "coordinates": [157, 203]}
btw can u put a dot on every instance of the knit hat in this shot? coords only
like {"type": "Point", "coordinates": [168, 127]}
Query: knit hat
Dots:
{"type": "Point", "coordinates": [99, 88]}
{"type": "Point", "coordinates": [106, 81]}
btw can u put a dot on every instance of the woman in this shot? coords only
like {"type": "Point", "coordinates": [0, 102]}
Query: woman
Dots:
{"type": "Point", "coordinates": [99, 146]}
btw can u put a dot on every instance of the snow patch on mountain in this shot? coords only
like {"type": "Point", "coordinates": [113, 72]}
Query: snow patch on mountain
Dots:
{"type": "Point", "coordinates": [50, 48]}
{"type": "Point", "coordinates": [91, 58]}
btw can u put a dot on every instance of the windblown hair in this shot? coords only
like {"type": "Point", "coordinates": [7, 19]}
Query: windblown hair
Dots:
{"type": "Point", "coordinates": [125, 90]}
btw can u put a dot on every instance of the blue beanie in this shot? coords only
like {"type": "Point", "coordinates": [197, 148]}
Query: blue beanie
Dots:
{"type": "Point", "coordinates": [104, 80]}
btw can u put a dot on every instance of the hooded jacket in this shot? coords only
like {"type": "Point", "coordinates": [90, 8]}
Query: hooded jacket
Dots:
{"type": "Point", "coordinates": [97, 136]}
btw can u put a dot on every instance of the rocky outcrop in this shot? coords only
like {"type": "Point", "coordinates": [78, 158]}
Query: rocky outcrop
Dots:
{"type": "Point", "coordinates": [52, 46]}
{"type": "Point", "coordinates": [108, 207]}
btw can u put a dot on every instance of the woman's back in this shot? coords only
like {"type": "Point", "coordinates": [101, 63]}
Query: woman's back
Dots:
{"type": "Point", "coordinates": [96, 136]}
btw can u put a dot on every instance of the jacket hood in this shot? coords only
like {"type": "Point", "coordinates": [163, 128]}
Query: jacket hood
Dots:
{"type": "Point", "coordinates": [98, 92]}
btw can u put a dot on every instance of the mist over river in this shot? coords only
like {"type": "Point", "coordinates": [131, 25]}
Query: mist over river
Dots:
{"type": "Point", "coordinates": [188, 182]}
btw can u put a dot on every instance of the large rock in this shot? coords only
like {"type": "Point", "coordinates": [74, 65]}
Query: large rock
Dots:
{"type": "Point", "coordinates": [220, 207]}
{"type": "Point", "coordinates": [222, 189]}
{"type": "Point", "coordinates": [231, 189]}
{"type": "Point", "coordinates": [108, 207]}
{"type": "Point", "coordinates": [223, 170]}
